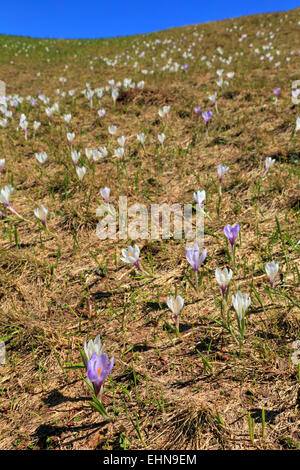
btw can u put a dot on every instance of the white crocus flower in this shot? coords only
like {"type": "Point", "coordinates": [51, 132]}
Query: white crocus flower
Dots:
{"type": "Point", "coordinates": [67, 118]}
{"type": "Point", "coordinates": [271, 270]}
{"type": "Point", "coordinates": [88, 153]}
{"type": "Point", "coordinates": [297, 124]}
{"type": "Point", "coordinates": [49, 112]}
{"type": "Point", "coordinates": [103, 151]}
{"type": "Point", "coordinates": [93, 347]}
{"type": "Point", "coordinates": [222, 169]}
{"type": "Point", "coordinates": [70, 137]}
{"type": "Point", "coordinates": [105, 192]}
{"type": "Point", "coordinates": [241, 303]}
{"type": "Point", "coordinates": [5, 194]}
{"type": "Point", "coordinates": [112, 130]}
{"type": "Point", "coordinates": [131, 255]}
{"type": "Point", "coordinates": [121, 141]}
{"type": "Point", "coordinates": [175, 305]}
{"type": "Point", "coordinates": [41, 213]}
{"type": "Point", "coordinates": [141, 138]}
{"type": "Point", "coordinates": [41, 157]}
{"type": "Point", "coordinates": [223, 277]}
{"type": "Point", "coordinates": [269, 162]}
{"type": "Point", "coordinates": [96, 155]}
{"type": "Point", "coordinates": [101, 113]}
{"type": "Point", "coordinates": [81, 171]}
{"type": "Point", "coordinates": [161, 138]}
{"type": "Point", "coordinates": [115, 94]}
{"type": "Point", "coordinates": [213, 98]}
{"type": "Point", "coordinates": [36, 126]}
{"type": "Point", "coordinates": [119, 152]}
{"type": "Point", "coordinates": [75, 156]}
{"type": "Point", "coordinates": [2, 163]}
{"type": "Point", "coordinates": [199, 197]}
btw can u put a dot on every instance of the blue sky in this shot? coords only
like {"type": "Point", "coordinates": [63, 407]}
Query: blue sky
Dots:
{"type": "Point", "coordinates": [109, 18]}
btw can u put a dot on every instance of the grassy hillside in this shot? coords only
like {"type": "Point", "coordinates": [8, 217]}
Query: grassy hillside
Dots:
{"type": "Point", "coordinates": [205, 386]}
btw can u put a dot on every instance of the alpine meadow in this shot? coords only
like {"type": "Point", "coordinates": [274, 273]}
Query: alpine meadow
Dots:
{"type": "Point", "coordinates": [149, 214]}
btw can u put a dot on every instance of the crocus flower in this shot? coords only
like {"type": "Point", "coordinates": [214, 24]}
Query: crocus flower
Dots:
{"type": "Point", "coordinates": [223, 278]}
{"type": "Point", "coordinates": [222, 169]}
{"type": "Point", "coordinates": [81, 171]}
{"type": "Point", "coordinates": [197, 110]}
{"type": "Point", "coordinates": [199, 197]}
{"type": "Point", "coordinates": [131, 255]}
{"type": "Point", "coordinates": [49, 112]}
{"type": "Point", "coordinates": [96, 155]}
{"type": "Point", "coordinates": [141, 138]}
{"type": "Point", "coordinates": [297, 124]}
{"type": "Point", "coordinates": [90, 94]}
{"type": "Point", "coordinates": [67, 118]}
{"type": "Point", "coordinates": [119, 152]}
{"type": "Point", "coordinates": [41, 213]}
{"type": "Point", "coordinates": [75, 156]}
{"type": "Point", "coordinates": [121, 141]}
{"type": "Point", "coordinates": [271, 270]}
{"type": "Point", "coordinates": [93, 347]}
{"type": "Point", "coordinates": [88, 153]}
{"type": "Point", "coordinates": [4, 198]}
{"type": "Point", "coordinates": [5, 194]}
{"type": "Point", "coordinates": [241, 302]}
{"type": "Point", "coordinates": [105, 192]}
{"type": "Point", "coordinates": [269, 162]}
{"type": "Point", "coordinates": [207, 115]}
{"type": "Point", "coordinates": [103, 151]}
{"type": "Point", "coordinates": [161, 138]}
{"type": "Point", "coordinates": [115, 94]}
{"type": "Point", "coordinates": [101, 113]}
{"type": "Point", "coordinates": [213, 98]}
{"type": "Point", "coordinates": [231, 233]}
{"type": "Point", "coordinates": [24, 126]}
{"type": "Point", "coordinates": [2, 163]}
{"type": "Point", "coordinates": [295, 96]}
{"type": "Point", "coordinates": [41, 157]}
{"type": "Point", "coordinates": [195, 259]}
{"type": "Point", "coordinates": [175, 305]}
{"type": "Point", "coordinates": [98, 369]}
{"type": "Point", "coordinates": [70, 137]}
{"type": "Point", "coordinates": [220, 82]}
{"type": "Point", "coordinates": [276, 93]}
{"type": "Point", "coordinates": [36, 126]}
{"type": "Point", "coordinates": [112, 130]}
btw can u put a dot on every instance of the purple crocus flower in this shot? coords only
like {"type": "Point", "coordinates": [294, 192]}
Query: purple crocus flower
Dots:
{"type": "Point", "coordinates": [98, 369]}
{"type": "Point", "coordinates": [197, 110]}
{"type": "Point", "coordinates": [207, 115]}
{"type": "Point", "coordinates": [231, 233]}
{"type": "Point", "coordinates": [276, 93]}
{"type": "Point", "coordinates": [194, 258]}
